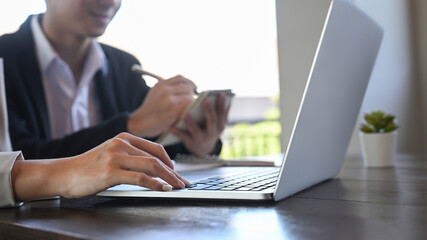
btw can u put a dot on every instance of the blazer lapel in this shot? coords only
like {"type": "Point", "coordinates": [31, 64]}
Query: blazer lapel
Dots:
{"type": "Point", "coordinates": [104, 88]}
{"type": "Point", "coordinates": [33, 74]}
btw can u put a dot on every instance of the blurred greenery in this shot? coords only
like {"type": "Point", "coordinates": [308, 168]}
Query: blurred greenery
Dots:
{"type": "Point", "coordinates": [246, 139]}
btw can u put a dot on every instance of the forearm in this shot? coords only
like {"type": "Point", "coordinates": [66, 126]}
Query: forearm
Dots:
{"type": "Point", "coordinates": [125, 159]}
{"type": "Point", "coordinates": [37, 179]}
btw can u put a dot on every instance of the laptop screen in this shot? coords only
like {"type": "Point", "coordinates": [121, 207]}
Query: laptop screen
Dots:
{"type": "Point", "coordinates": [331, 102]}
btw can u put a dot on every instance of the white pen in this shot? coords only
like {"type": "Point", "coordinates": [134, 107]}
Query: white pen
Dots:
{"type": "Point", "coordinates": [137, 68]}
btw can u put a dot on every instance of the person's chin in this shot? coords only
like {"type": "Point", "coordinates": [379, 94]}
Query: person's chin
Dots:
{"type": "Point", "coordinates": [96, 32]}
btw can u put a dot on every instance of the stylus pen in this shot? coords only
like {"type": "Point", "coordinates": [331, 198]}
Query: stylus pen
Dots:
{"type": "Point", "coordinates": [137, 68]}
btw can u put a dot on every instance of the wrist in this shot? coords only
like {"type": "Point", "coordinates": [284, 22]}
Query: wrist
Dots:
{"type": "Point", "coordinates": [131, 125]}
{"type": "Point", "coordinates": [136, 126]}
{"type": "Point", "coordinates": [34, 179]}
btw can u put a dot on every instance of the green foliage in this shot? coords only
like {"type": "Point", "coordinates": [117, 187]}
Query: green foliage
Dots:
{"type": "Point", "coordinates": [244, 139]}
{"type": "Point", "coordinates": [257, 139]}
{"type": "Point", "coordinates": [274, 112]}
{"type": "Point", "coordinates": [378, 122]}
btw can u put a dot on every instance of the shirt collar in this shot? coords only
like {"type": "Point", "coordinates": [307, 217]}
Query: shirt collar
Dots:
{"type": "Point", "coordinates": [46, 54]}
{"type": "Point", "coordinates": [44, 51]}
{"type": "Point", "coordinates": [96, 57]}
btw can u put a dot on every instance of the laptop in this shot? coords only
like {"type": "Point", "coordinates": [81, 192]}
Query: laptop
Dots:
{"type": "Point", "coordinates": [327, 114]}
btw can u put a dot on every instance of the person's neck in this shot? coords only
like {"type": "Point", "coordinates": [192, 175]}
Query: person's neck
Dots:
{"type": "Point", "coordinates": [70, 47]}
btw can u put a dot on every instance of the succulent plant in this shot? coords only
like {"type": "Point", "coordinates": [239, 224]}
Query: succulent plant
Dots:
{"type": "Point", "coordinates": [378, 122]}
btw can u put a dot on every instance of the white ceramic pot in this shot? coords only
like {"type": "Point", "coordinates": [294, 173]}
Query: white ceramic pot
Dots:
{"type": "Point", "coordinates": [378, 149]}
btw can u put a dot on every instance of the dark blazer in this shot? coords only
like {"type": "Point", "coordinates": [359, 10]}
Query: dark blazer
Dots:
{"type": "Point", "coordinates": [119, 92]}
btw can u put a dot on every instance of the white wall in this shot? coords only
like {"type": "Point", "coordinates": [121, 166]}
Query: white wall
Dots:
{"type": "Point", "coordinates": [393, 86]}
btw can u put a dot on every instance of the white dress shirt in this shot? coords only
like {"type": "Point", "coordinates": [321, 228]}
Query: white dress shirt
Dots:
{"type": "Point", "coordinates": [71, 106]}
{"type": "Point", "coordinates": [7, 158]}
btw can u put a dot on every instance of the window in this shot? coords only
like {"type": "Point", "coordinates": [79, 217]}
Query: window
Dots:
{"type": "Point", "coordinates": [219, 44]}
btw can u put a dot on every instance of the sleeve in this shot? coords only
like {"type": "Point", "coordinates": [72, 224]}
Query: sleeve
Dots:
{"type": "Point", "coordinates": [7, 159]}
{"type": "Point", "coordinates": [179, 148]}
{"type": "Point", "coordinates": [34, 147]}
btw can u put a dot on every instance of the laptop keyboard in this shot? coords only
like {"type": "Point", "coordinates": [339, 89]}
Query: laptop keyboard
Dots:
{"type": "Point", "coordinates": [247, 181]}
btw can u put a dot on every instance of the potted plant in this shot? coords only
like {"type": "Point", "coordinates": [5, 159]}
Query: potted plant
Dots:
{"type": "Point", "coordinates": [378, 139]}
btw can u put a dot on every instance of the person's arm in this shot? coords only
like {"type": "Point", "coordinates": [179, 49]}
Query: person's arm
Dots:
{"type": "Point", "coordinates": [34, 145]}
{"type": "Point", "coordinates": [125, 159]}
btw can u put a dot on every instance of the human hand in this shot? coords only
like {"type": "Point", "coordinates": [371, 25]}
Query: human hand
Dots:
{"type": "Point", "coordinates": [124, 159]}
{"type": "Point", "coordinates": [202, 140]}
{"type": "Point", "coordinates": [162, 107]}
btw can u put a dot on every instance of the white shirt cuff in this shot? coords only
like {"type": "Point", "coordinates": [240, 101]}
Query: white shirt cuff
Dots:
{"type": "Point", "coordinates": [7, 159]}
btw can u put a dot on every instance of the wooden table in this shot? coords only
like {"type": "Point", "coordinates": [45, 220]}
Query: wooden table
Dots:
{"type": "Point", "coordinates": [388, 203]}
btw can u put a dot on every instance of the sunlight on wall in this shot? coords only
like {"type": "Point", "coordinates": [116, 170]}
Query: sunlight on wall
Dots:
{"type": "Point", "coordinates": [14, 13]}
{"type": "Point", "coordinates": [224, 44]}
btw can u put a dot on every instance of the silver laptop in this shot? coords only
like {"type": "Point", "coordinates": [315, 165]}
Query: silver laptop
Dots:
{"type": "Point", "coordinates": [328, 111]}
